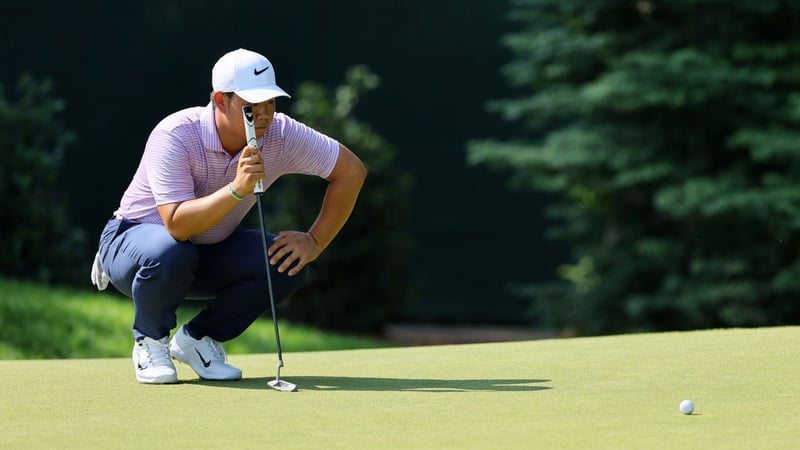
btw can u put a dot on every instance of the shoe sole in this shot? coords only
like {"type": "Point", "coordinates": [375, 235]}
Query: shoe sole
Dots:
{"type": "Point", "coordinates": [166, 379]}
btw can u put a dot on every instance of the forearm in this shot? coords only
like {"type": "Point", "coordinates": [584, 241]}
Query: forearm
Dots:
{"type": "Point", "coordinates": [344, 185]}
{"type": "Point", "coordinates": [338, 204]}
{"type": "Point", "coordinates": [192, 217]}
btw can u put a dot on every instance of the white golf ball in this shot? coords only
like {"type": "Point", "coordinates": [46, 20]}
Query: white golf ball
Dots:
{"type": "Point", "coordinates": [687, 407]}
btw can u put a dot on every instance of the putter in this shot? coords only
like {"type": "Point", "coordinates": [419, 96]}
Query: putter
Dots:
{"type": "Point", "coordinates": [277, 383]}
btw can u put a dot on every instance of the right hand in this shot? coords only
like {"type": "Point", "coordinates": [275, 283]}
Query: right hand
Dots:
{"type": "Point", "coordinates": [249, 170]}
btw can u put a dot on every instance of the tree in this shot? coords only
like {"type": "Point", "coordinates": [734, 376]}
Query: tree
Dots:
{"type": "Point", "coordinates": [362, 279]}
{"type": "Point", "coordinates": [668, 134]}
{"type": "Point", "coordinates": [37, 241]}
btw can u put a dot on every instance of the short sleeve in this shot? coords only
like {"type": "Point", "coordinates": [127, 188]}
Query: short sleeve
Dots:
{"type": "Point", "coordinates": [168, 168]}
{"type": "Point", "coordinates": [307, 151]}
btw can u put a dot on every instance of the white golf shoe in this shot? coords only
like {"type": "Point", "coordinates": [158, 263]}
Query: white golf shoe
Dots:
{"type": "Point", "coordinates": [152, 363]}
{"type": "Point", "coordinates": [206, 356]}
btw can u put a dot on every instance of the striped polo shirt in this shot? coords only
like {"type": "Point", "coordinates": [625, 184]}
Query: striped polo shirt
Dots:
{"type": "Point", "coordinates": [184, 159]}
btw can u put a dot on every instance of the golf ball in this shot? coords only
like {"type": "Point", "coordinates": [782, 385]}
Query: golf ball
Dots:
{"type": "Point", "coordinates": [687, 407]}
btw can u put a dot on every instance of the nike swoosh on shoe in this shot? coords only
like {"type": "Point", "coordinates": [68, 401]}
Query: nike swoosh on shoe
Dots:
{"type": "Point", "coordinates": [205, 363]}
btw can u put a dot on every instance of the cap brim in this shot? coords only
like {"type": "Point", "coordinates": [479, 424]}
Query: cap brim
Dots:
{"type": "Point", "coordinates": [261, 94]}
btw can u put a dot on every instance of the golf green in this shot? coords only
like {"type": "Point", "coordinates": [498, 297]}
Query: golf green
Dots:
{"type": "Point", "coordinates": [602, 392]}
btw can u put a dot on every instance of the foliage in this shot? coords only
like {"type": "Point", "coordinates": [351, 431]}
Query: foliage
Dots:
{"type": "Point", "coordinates": [669, 133]}
{"type": "Point", "coordinates": [47, 322]}
{"type": "Point", "coordinates": [362, 279]}
{"type": "Point", "coordinates": [38, 243]}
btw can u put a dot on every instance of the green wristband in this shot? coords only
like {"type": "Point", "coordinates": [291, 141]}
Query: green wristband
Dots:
{"type": "Point", "coordinates": [234, 193]}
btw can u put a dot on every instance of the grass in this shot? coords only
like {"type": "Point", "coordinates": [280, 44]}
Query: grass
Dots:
{"type": "Point", "coordinates": [603, 392]}
{"type": "Point", "coordinates": [42, 322]}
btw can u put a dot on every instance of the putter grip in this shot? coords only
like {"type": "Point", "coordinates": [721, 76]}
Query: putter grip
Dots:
{"type": "Point", "coordinates": [250, 130]}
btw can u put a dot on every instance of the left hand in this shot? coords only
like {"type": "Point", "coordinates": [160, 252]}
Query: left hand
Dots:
{"type": "Point", "coordinates": [99, 276]}
{"type": "Point", "coordinates": [297, 247]}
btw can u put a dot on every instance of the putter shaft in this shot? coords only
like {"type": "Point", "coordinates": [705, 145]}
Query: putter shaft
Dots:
{"type": "Point", "coordinates": [247, 111]}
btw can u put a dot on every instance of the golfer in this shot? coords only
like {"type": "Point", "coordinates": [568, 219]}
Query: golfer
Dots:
{"type": "Point", "coordinates": [176, 234]}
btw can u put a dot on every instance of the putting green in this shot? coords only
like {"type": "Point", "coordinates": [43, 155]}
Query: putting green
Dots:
{"type": "Point", "coordinates": [603, 392]}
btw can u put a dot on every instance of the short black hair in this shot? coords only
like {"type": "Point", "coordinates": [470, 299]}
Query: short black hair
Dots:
{"type": "Point", "coordinates": [227, 94]}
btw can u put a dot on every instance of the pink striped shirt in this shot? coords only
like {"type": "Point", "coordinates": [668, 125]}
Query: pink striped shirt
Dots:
{"type": "Point", "coordinates": [184, 159]}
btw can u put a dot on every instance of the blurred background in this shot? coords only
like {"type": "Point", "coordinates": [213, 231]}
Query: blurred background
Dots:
{"type": "Point", "coordinates": [553, 166]}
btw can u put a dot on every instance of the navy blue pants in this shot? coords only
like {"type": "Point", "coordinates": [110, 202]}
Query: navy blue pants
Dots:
{"type": "Point", "coordinates": [144, 262]}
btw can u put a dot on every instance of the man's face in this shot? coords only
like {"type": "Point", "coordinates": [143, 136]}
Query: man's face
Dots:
{"type": "Point", "coordinates": [262, 115]}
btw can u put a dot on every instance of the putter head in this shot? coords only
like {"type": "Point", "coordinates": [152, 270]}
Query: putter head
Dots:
{"type": "Point", "coordinates": [282, 385]}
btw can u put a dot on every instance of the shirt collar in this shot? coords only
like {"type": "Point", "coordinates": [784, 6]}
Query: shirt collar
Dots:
{"type": "Point", "coordinates": [211, 140]}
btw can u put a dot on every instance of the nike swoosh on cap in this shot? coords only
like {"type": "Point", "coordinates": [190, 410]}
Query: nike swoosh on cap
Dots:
{"type": "Point", "coordinates": [259, 72]}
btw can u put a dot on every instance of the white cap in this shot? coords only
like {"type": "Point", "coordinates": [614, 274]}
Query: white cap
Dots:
{"type": "Point", "coordinates": [247, 74]}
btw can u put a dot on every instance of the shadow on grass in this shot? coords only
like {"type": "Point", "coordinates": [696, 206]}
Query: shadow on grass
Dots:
{"type": "Point", "coordinates": [314, 383]}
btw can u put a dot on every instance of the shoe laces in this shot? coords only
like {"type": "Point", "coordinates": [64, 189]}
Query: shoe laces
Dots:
{"type": "Point", "coordinates": [155, 352]}
{"type": "Point", "coordinates": [217, 350]}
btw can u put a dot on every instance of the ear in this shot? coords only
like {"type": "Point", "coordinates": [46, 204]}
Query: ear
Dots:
{"type": "Point", "coordinates": [219, 100]}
